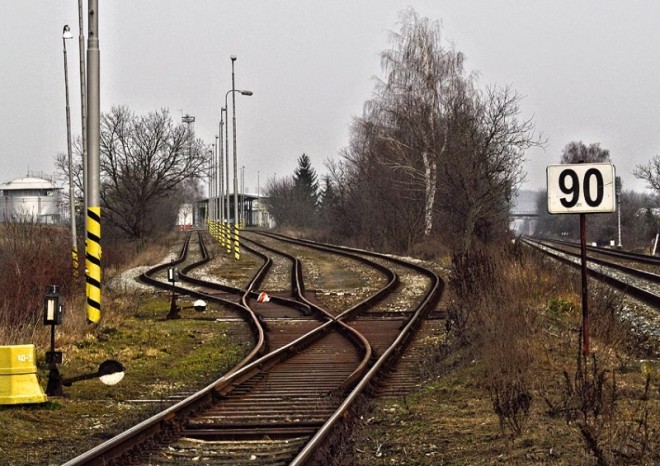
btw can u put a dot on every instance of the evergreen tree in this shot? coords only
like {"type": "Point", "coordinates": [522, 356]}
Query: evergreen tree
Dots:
{"type": "Point", "coordinates": [306, 180]}
{"type": "Point", "coordinates": [329, 202]}
{"type": "Point", "coordinates": [306, 193]}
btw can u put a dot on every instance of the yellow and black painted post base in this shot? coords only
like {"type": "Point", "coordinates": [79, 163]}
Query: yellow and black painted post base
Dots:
{"type": "Point", "coordinates": [237, 252]}
{"type": "Point", "coordinates": [74, 261]}
{"type": "Point", "coordinates": [228, 237]}
{"type": "Point", "coordinates": [93, 264]}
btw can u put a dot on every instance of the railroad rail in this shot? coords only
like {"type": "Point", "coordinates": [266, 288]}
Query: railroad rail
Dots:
{"type": "Point", "coordinates": [637, 283]}
{"type": "Point", "coordinates": [292, 397]}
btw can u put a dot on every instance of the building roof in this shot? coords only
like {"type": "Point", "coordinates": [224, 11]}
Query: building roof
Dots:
{"type": "Point", "coordinates": [27, 183]}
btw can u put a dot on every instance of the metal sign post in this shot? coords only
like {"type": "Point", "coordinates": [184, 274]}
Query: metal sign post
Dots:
{"type": "Point", "coordinates": [582, 189]}
{"type": "Point", "coordinates": [585, 291]}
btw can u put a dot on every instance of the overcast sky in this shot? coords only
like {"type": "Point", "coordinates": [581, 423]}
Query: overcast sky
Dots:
{"type": "Point", "coordinates": [588, 70]}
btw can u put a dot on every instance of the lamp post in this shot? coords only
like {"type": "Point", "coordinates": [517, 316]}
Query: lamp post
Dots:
{"type": "Point", "coordinates": [243, 220]}
{"type": "Point", "coordinates": [227, 158]}
{"type": "Point", "coordinates": [83, 107]}
{"type": "Point", "coordinates": [233, 91]}
{"type": "Point", "coordinates": [212, 190]}
{"type": "Point", "coordinates": [233, 128]}
{"type": "Point", "coordinates": [259, 198]}
{"type": "Point", "coordinates": [221, 163]}
{"type": "Point", "coordinates": [66, 34]}
{"type": "Point", "coordinates": [227, 210]}
{"type": "Point", "coordinates": [189, 120]}
{"type": "Point", "coordinates": [618, 185]}
{"type": "Point", "coordinates": [218, 182]}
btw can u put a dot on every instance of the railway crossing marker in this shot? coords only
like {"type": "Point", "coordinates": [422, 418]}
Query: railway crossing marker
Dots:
{"type": "Point", "coordinates": [583, 188]}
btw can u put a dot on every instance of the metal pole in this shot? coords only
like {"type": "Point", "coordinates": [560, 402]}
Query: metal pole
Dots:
{"type": "Point", "coordinates": [83, 107]}
{"type": "Point", "coordinates": [618, 208]}
{"type": "Point", "coordinates": [221, 162]}
{"type": "Point", "coordinates": [233, 110]}
{"type": "Point", "coordinates": [228, 226]}
{"type": "Point", "coordinates": [243, 219]}
{"type": "Point", "coordinates": [189, 120]}
{"type": "Point", "coordinates": [227, 158]}
{"type": "Point", "coordinates": [212, 188]}
{"type": "Point", "coordinates": [93, 245]}
{"type": "Point", "coordinates": [259, 198]}
{"type": "Point", "coordinates": [218, 181]}
{"type": "Point", "coordinates": [585, 293]}
{"type": "Point", "coordinates": [72, 197]}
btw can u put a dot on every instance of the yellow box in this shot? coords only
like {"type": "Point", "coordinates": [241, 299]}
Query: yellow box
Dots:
{"type": "Point", "coordinates": [18, 376]}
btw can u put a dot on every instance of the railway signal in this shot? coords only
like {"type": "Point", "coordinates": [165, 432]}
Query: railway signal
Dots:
{"type": "Point", "coordinates": [53, 316]}
{"type": "Point", "coordinates": [583, 188]}
{"type": "Point", "coordinates": [110, 372]}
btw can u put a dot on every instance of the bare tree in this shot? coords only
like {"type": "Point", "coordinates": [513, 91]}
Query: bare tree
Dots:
{"type": "Point", "coordinates": [650, 172]}
{"type": "Point", "coordinates": [430, 146]}
{"type": "Point", "coordinates": [144, 160]}
{"type": "Point", "coordinates": [279, 198]}
{"type": "Point", "coordinates": [484, 166]}
{"type": "Point", "coordinates": [576, 152]}
{"type": "Point", "coordinates": [382, 206]}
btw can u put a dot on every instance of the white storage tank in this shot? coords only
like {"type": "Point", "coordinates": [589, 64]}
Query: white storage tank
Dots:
{"type": "Point", "coordinates": [31, 200]}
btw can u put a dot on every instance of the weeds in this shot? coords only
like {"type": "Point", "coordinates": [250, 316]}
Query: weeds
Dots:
{"type": "Point", "coordinates": [592, 401]}
{"type": "Point", "coordinates": [490, 313]}
{"type": "Point", "coordinates": [32, 257]}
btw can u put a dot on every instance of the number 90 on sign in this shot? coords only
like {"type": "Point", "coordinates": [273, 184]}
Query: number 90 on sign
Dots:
{"type": "Point", "coordinates": [581, 188]}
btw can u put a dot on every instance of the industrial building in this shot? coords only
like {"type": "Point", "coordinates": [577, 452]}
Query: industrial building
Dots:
{"type": "Point", "coordinates": [30, 199]}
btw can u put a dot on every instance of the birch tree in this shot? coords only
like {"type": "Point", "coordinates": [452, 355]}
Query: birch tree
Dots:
{"type": "Point", "coordinates": [414, 102]}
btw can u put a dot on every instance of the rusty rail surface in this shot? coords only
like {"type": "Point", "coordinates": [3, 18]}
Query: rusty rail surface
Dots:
{"type": "Point", "coordinates": [321, 364]}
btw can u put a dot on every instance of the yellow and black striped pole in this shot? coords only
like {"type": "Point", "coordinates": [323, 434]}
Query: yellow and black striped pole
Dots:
{"type": "Point", "coordinates": [93, 175]}
{"type": "Point", "coordinates": [237, 252]}
{"type": "Point", "coordinates": [74, 261]}
{"type": "Point", "coordinates": [93, 264]}
{"type": "Point", "coordinates": [222, 235]}
{"type": "Point", "coordinates": [228, 237]}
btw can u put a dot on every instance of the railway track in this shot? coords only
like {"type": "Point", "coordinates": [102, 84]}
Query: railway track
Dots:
{"type": "Point", "coordinates": [313, 362]}
{"type": "Point", "coordinates": [640, 282]}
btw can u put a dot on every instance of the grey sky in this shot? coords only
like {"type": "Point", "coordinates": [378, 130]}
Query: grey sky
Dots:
{"type": "Point", "coordinates": [588, 70]}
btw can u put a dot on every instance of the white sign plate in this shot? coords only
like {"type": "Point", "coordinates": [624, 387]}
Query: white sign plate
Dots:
{"type": "Point", "coordinates": [581, 188]}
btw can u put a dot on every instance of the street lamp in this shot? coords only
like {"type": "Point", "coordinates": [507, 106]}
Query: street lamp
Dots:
{"type": "Point", "coordinates": [233, 100]}
{"type": "Point", "coordinates": [226, 162]}
{"type": "Point", "coordinates": [617, 187]}
{"type": "Point", "coordinates": [243, 221]}
{"type": "Point", "coordinates": [242, 92]}
{"type": "Point", "coordinates": [218, 182]}
{"type": "Point", "coordinates": [66, 34]}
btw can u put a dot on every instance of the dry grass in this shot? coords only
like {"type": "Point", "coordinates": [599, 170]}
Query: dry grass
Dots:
{"type": "Point", "coordinates": [34, 256]}
{"type": "Point", "coordinates": [511, 388]}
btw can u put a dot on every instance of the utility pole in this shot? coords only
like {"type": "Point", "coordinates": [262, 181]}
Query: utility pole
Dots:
{"type": "Point", "coordinates": [93, 244]}
{"type": "Point", "coordinates": [83, 107]}
{"type": "Point", "coordinates": [66, 34]}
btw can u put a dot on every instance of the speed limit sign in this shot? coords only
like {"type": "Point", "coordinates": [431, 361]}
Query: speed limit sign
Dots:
{"type": "Point", "coordinates": [581, 188]}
